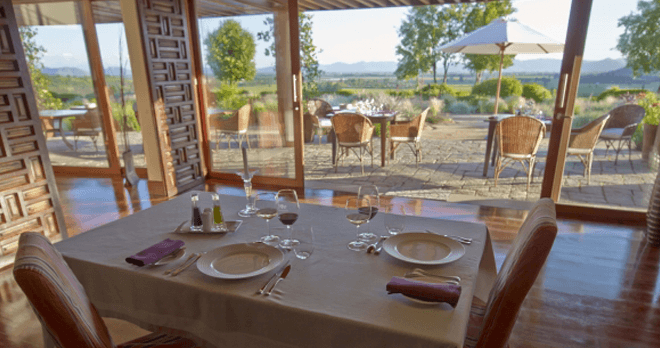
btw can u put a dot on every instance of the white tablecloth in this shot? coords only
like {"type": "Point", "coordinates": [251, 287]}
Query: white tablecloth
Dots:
{"type": "Point", "coordinates": [336, 298]}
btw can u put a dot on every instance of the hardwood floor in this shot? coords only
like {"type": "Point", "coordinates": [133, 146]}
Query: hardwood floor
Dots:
{"type": "Point", "coordinates": [599, 287]}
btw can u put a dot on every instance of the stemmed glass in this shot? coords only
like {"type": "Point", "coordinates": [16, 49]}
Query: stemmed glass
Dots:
{"type": "Point", "coordinates": [287, 209]}
{"type": "Point", "coordinates": [305, 236]}
{"type": "Point", "coordinates": [266, 205]}
{"type": "Point", "coordinates": [358, 211]}
{"type": "Point", "coordinates": [370, 192]}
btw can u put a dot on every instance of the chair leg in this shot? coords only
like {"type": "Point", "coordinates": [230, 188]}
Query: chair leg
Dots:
{"type": "Point", "coordinates": [530, 174]}
{"type": "Point", "coordinates": [590, 160]}
{"type": "Point", "coordinates": [371, 151]}
{"type": "Point", "coordinates": [618, 149]}
{"type": "Point", "coordinates": [630, 150]}
{"type": "Point", "coordinates": [498, 168]}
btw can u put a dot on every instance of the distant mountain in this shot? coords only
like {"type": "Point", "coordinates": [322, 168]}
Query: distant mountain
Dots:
{"type": "Point", "coordinates": [66, 71]}
{"type": "Point", "coordinates": [623, 75]}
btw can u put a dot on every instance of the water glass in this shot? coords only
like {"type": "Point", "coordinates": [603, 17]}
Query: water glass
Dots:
{"type": "Point", "coordinates": [394, 219]}
{"type": "Point", "coordinates": [305, 237]}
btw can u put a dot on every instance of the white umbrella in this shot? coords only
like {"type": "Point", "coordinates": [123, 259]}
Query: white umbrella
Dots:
{"type": "Point", "coordinates": [503, 36]}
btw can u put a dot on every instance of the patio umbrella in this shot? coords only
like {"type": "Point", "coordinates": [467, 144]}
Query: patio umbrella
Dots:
{"type": "Point", "coordinates": [503, 36]}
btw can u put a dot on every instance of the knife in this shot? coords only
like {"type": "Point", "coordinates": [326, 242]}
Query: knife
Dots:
{"type": "Point", "coordinates": [285, 272]}
{"type": "Point", "coordinates": [270, 280]}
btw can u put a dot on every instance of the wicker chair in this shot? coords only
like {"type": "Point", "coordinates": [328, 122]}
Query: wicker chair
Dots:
{"type": "Point", "coordinates": [518, 140]}
{"type": "Point", "coordinates": [316, 120]}
{"type": "Point", "coordinates": [583, 141]}
{"type": "Point", "coordinates": [62, 305]}
{"type": "Point", "coordinates": [88, 125]}
{"type": "Point", "coordinates": [236, 126]}
{"type": "Point", "coordinates": [410, 133]}
{"type": "Point", "coordinates": [621, 126]}
{"type": "Point", "coordinates": [491, 323]}
{"type": "Point", "coordinates": [353, 131]}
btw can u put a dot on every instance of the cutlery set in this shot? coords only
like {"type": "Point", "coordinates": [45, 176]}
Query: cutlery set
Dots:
{"type": "Point", "coordinates": [377, 247]}
{"type": "Point", "coordinates": [279, 276]}
{"type": "Point", "coordinates": [191, 260]}
{"type": "Point", "coordinates": [462, 240]}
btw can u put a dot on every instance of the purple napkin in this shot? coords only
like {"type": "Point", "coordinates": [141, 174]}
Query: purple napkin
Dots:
{"type": "Point", "coordinates": [155, 252]}
{"type": "Point", "coordinates": [423, 291]}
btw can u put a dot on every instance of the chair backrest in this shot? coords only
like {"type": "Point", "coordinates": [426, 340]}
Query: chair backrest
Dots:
{"type": "Point", "coordinates": [419, 121]}
{"type": "Point", "coordinates": [519, 272]}
{"type": "Point", "coordinates": [352, 128]}
{"type": "Point", "coordinates": [244, 116]}
{"type": "Point", "coordinates": [319, 107]}
{"type": "Point", "coordinates": [625, 115]}
{"type": "Point", "coordinates": [588, 135]}
{"type": "Point", "coordinates": [519, 135]}
{"type": "Point", "coordinates": [57, 297]}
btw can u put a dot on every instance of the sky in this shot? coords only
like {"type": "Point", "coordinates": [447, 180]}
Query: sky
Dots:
{"type": "Point", "coordinates": [352, 36]}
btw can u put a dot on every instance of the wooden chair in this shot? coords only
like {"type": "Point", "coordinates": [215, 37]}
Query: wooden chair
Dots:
{"type": "Point", "coordinates": [61, 303]}
{"type": "Point", "coordinates": [236, 126]}
{"type": "Point", "coordinates": [583, 141]}
{"type": "Point", "coordinates": [491, 323]}
{"type": "Point", "coordinates": [623, 122]}
{"type": "Point", "coordinates": [410, 133]}
{"type": "Point", "coordinates": [316, 120]}
{"type": "Point", "coordinates": [353, 131]}
{"type": "Point", "coordinates": [88, 125]}
{"type": "Point", "coordinates": [518, 139]}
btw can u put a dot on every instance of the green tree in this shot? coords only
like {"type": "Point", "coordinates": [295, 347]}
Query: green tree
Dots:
{"type": "Point", "coordinates": [451, 20]}
{"type": "Point", "coordinates": [640, 41]}
{"type": "Point", "coordinates": [416, 49]}
{"type": "Point", "coordinates": [478, 16]}
{"type": "Point", "coordinates": [40, 82]}
{"type": "Point", "coordinates": [231, 51]}
{"type": "Point", "coordinates": [311, 73]}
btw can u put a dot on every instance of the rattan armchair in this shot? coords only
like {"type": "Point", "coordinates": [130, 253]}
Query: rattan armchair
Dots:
{"type": "Point", "coordinates": [623, 122]}
{"type": "Point", "coordinates": [316, 120]}
{"type": "Point", "coordinates": [518, 140]}
{"type": "Point", "coordinates": [88, 125]}
{"type": "Point", "coordinates": [409, 132]}
{"type": "Point", "coordinates": [583, 141]}
{"type": "Point", "coordinates": [236, 126]}
{"type": "Point", "coordinates": [353, 131]}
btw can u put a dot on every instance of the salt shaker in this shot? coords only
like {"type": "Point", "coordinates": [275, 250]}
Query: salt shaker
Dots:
{"type": "Point", "coordinates": [207, 220]}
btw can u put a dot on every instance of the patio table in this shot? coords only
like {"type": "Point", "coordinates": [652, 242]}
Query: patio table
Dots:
{"type": "Point", "coordinates": [382, 118]}
{"type": "Point", "coordinates": [335, 298]}
{"type": "Point", "coordinates": [492, 123]}
{"type": "Point", "coordinates": [57, 117]}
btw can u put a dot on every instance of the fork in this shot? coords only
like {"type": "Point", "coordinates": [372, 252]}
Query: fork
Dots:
{"type": "Point", "coordinates": [463, 240]}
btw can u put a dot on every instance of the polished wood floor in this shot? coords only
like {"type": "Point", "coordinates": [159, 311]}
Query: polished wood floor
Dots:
{"type": "Point", "coordinates": [599, 287]}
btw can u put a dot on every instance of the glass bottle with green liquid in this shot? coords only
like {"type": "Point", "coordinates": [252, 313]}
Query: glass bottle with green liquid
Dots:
{"type": "Point", "coordinates": [218, 220]}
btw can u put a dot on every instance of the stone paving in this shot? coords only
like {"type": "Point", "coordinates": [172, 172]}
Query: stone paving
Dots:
{"type": "Point", "coordinates": [451, 169]}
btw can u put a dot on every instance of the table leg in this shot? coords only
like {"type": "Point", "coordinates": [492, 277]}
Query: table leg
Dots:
{"type": "Point", "coordinates": [334, 146]}
{"type": "Point", "coordinates": [489, 143]}
{"type": "Point", "coordinates": [61, 128]}
{"type": "Point", "coordinates": [384, 125]}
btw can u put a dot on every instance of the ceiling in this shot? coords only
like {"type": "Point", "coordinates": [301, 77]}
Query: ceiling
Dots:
{"type": "Point", "coordinates": [53, 12]}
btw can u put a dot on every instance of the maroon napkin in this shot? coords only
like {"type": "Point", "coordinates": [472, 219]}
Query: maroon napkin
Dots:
{"type": "Point", "coordinates": [429, 292]}
{"type": "Point", "coordinates": [155, 252]}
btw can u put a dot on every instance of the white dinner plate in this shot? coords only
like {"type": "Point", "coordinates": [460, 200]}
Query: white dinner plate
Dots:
{"type": "Point", "coordinates": [240, 261]}
{"type": "Point", "coordinates": [171, 257]}
{"type": "Point", "coordinates": [423, 248]}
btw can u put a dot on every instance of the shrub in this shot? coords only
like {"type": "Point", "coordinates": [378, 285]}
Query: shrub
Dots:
{"type": "Point", "coordinates": [488, 106]}
{"type": "Point", "coordinates": [617, 92]}
{"type": "Point", "coordinates": [651, 105]}
{"type": "Point", "coordinates": [536, 92]}
{"type": "Point", "coordinates": [460, 108]}
{"type": "Point", "coordinates": [230, 97]}
{"type": "Point", "coordinates": [437, 90]}
{"type": "Point", "coordinates": [448, 99]}
{"type": "Point", "coordinates": [131, 119]}
{"type": "Point", "coordinates": [510, 86]}
{"type": "Point", "coordinates": [405, 93]}
{"type": "Point", "coordinates": [345, 92]}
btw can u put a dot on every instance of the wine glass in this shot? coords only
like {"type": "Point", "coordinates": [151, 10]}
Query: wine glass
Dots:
{"type": "Point", "coordinates": [394, 223]}
{"type": "Point", "coordinates": [266, 205]}
{"type": "Point", "coordinates": [358, 211]}
{"type": "Point", "coordinates": [287, 209]}
{"type": "Point", "coordinates": [370, 192]}
{"type": "Point", "coordinates": [305, 236]}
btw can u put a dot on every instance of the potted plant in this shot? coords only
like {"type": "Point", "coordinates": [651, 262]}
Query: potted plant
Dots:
{"type": "Point", "coordinates": [651, 104]}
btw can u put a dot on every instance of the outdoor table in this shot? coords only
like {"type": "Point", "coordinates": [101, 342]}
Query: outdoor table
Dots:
{"type": "Point", "coordinates": [56, 117]}
{"type": "Point", "coordinates": [382, 118]}
{"type": "Point", "coordinates": [335, 298]}
{"type": "Point", "coordinates": [492, 123]}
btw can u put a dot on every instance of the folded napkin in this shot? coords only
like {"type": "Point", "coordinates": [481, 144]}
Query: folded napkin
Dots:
{"type": "Point", "coordinates": [155, 252]}
{"type": "Point", "coordinates": [430, 292]}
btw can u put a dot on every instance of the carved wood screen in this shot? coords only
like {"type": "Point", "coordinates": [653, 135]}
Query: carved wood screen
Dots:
{"type": "Point", "coordinates": [28, 196]}
{"type": "Point", "coordinates": [166, 37]}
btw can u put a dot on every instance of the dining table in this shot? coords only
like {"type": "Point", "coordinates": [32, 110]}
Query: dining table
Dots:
{"type": "Point", "coordinates": [56, 117]}
{"type": "Point", "coordinates": [381, 117]}
{"type": "Point", "coordinates": [334, 298]}
{"type": "Point", "coordinates": [492, 123]}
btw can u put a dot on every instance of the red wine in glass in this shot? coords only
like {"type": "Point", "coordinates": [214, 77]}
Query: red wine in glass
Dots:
{"type": "Point", "coordinates": [288, 218]}
{"type": "Point", "coordinates": [365, 210]}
